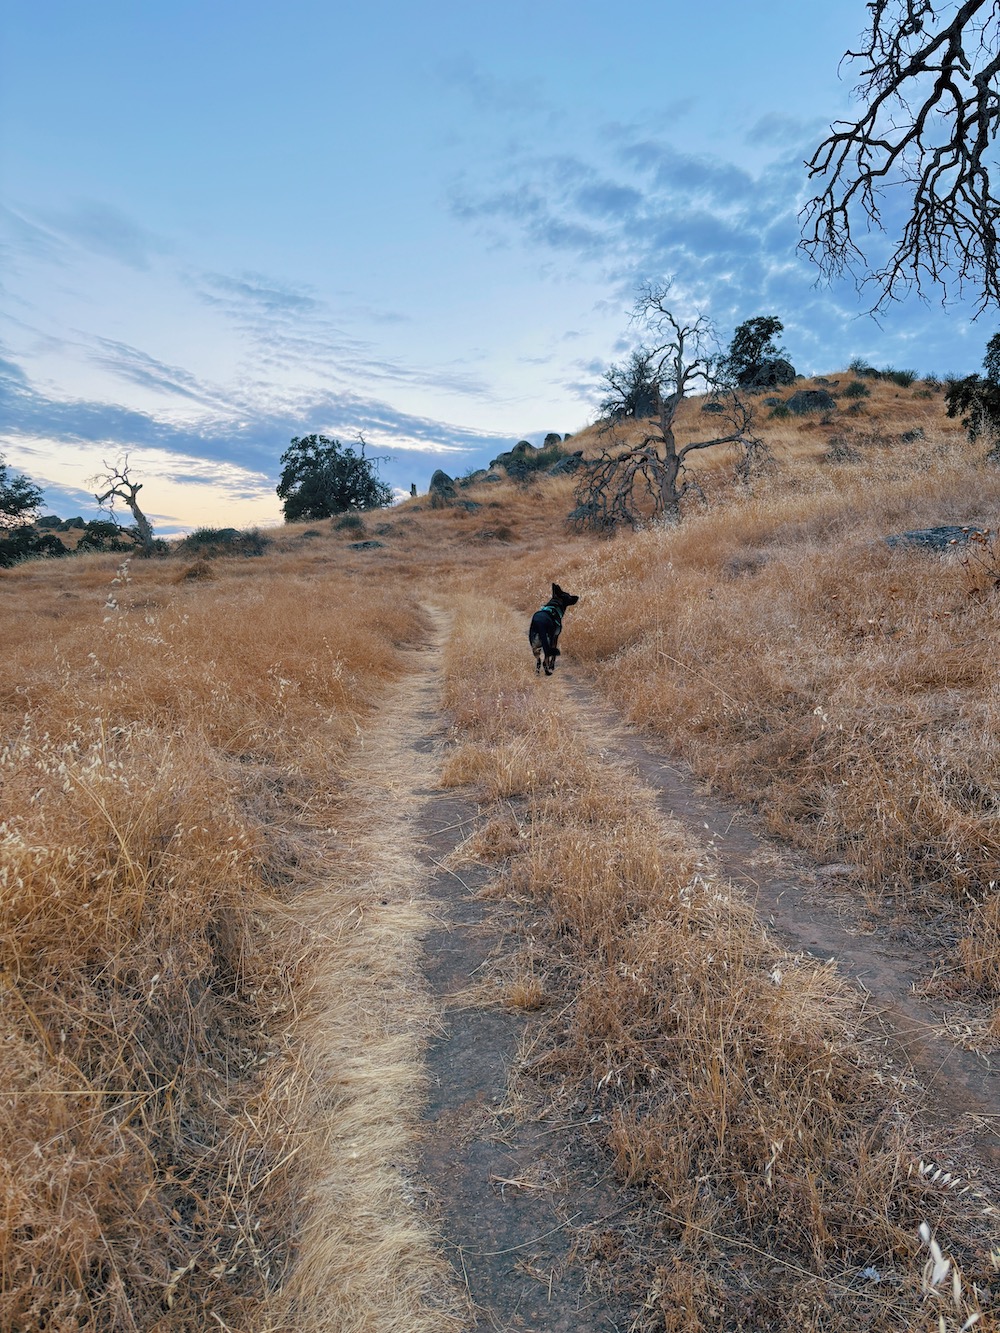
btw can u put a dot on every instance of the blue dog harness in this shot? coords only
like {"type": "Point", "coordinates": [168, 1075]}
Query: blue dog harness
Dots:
{"type": "Point", "coordinates": [556, 612]}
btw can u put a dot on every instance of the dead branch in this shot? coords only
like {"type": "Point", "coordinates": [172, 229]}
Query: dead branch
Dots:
{"type": "Point", "coordinates": [628, 486]}
{"type": "Point", "coordinates": [931, 108]}
{"type": "Point", "coordinates": [120, 486]}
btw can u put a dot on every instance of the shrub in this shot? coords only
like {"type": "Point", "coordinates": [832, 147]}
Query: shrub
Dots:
{"type": "Point", "coordinates": [224, 541]}
{"type": "Point", "coordinates": [841, 449]}
{"type": "Point", "coordinates": [904, 378]}
{"type": "Point", "coordinates": [25, 544]}
{"type": "Point", "coordinates": [857, 389]}
{"type": "Point", "coordinates": [101, 534]}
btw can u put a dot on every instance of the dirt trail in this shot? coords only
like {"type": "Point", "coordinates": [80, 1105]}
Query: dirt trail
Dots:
{"type": "Point", "coordinates": [818, 915]}
{"type": "Point", "coordinates": [516, 1201]}
{"type": "Point", "coordinates": [392, 1031]}
{"type": "Point", "coordinates": [513, 1196]}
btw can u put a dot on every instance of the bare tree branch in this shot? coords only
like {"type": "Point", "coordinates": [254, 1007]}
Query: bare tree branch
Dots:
{"type": "Point", "coordinates": [626, 486]}
{"type": "Point", "coordinates": [929, 122]}
{"type": "Point", "coordinates": [120, 486]}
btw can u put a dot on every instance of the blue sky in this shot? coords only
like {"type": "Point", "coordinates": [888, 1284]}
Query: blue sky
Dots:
{"type": "Point", "coordinates": [225, 224]}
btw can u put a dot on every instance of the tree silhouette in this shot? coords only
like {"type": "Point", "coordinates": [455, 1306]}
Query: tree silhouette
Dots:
{"type": "Point", "coordinates": [926, 132]}
{"type": "Point", "coordinates": [118, 485]}
{"type": "Point", "coordinates": [321, 477]}
{"type": "Point", "coordinates": [19, 497]}
{"type": "Point", "coordinates": [635, 482]}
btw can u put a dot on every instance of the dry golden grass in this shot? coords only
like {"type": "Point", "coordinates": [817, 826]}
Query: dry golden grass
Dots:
{"type": "Point", "coordinates": [169, 775]}
{"type": "Point", "coordinates": [848, 691]}
{"type": "Point", "coordinates": [776, 1161]}
{"type": "Point", "coordinates": [175, 738]}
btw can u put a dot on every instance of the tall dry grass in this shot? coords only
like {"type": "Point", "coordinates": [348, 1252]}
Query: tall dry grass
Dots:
{"type": "Point", "coordinates": [775, 1159]}
{"type": "Point", "coordinates": [169, 773]}
{"type": "Point", "coordinates": [849, 691]}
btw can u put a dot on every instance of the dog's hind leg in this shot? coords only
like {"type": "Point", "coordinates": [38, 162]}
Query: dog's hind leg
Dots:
{"type": "Point", "coordinates": [536, 648]}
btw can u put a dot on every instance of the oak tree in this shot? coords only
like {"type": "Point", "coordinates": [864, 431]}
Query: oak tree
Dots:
{"type": "Point", "coordinates": [321, 477]}
{"type": "Point", "coordinates": [19, 497]}
{"type": "Point", "coordinates": [118, 484]}
{"type": "Point", "coordinates": [634, 481]}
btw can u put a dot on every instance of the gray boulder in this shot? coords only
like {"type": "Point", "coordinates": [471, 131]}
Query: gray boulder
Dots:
{"type": "Point", "coordinates": [571, 463]}
{"type": "Point", "coordinates": [441, 490]}
{"type": "Point", "coordinates": [768, 374]}
{"type": "Point", "coordinates": [942, 538]}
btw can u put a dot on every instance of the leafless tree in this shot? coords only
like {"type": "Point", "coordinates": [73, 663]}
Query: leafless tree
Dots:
{"type": "Point", "coordinates": [926, 132]}
{"type": "Point", "coordinates": [630, 483]}
{"type": "Point", "coordinates": [118, 485]}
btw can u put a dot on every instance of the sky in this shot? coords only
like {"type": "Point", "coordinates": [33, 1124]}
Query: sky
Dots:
{"type": "Point", "coordinates": [225, 224]}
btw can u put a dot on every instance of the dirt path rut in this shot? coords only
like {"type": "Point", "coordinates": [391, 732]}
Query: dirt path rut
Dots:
{"type": "Point", "coordinates": [512, 1196]}
{"type": "Point", "coordinates": [961, 1089]}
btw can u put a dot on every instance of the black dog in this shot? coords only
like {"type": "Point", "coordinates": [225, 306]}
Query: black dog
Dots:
{"type": "Point", "coordinates": [546, 626]}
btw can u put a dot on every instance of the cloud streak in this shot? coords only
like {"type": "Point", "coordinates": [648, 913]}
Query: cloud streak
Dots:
{"type": "Point", "coordinates": [252, 447]}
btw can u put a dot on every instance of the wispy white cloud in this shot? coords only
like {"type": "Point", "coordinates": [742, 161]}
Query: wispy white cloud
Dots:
{"type": "Point", "coordinates": [250, 443]}
{"type": "Point", "coordinates": [290, 327]}
{"type": "Point", "coordinates": [137, 366]}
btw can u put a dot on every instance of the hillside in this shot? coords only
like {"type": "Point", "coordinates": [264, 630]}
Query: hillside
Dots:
{"type": "Point", "coordinates": [356, 977]}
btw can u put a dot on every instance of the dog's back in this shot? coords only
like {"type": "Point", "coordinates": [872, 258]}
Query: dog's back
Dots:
{"type": "Point", "coordinates": [546, 626]}
{"type": "Point", "coordinates": [543, 632]}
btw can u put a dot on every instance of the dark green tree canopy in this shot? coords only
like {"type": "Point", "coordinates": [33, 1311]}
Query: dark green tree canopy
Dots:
{"type": "Point", "coordinates": [632, 388]}
{"type": "Point", "coordinates": [19, 497]}
{"type": "Point", "coordinates": [321, 477]}
{"type": "Point", "coordinates": [754, 360]}
{"type": "Point", "coordinates": [976, 400]}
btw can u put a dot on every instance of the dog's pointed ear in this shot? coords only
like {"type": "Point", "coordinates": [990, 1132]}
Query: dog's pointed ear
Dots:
{"type": "Point", "coordinates": [556, 590]}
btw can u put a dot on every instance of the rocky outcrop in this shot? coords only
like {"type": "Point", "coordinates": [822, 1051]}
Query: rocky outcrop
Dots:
{"type": "Point", "coordinates": [768, 374]}
{"type": "Point", "coordinates": [441, 491]}
{"type": "Point", "coordinates": [571, 463]}
{"type": "Point", "coordinates": [942, 538]}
